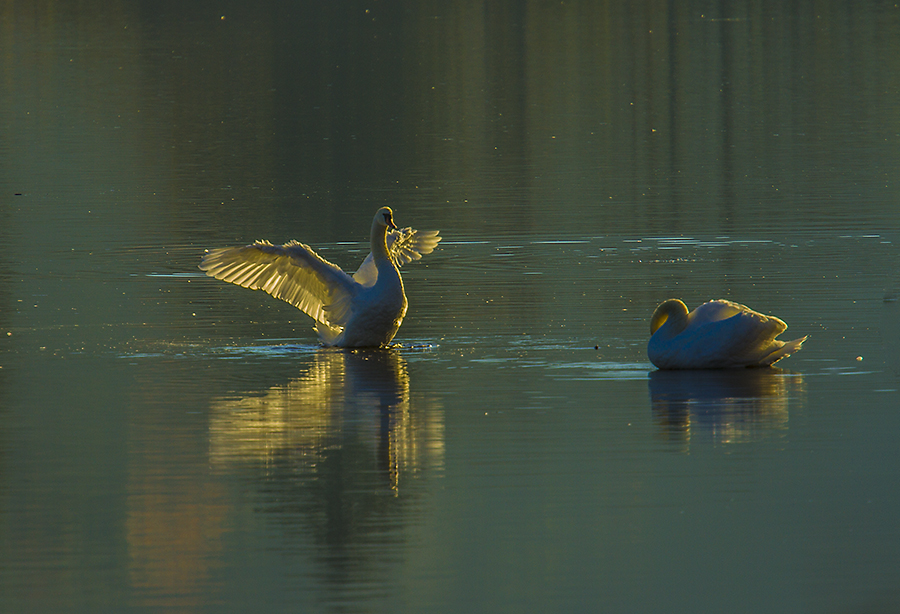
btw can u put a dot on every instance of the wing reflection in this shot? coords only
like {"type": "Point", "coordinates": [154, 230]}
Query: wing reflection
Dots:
{"type": "Point", "coordinates": [347, 400]}
{"type": "Point", "coordinates": [733, 405]}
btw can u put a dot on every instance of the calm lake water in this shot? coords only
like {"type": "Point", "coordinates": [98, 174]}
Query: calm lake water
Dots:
{"type": "Point", "coordinates": [173, 443]}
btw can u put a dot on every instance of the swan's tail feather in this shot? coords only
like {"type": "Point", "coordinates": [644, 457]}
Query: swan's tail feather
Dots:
{"type": "Point", "coordinates": [784, 351]}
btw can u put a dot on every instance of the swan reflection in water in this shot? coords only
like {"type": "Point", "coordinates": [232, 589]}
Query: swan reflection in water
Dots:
{"type": "Point", "coordinates": [351, 406]}
{"type": "Point", "coordinates": [339, 462]}
{"type": "Point", "coordinates": [731, 405]}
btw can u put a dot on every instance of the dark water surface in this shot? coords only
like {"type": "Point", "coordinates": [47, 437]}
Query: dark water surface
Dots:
{"type": "Point", "coordinates": [173, 443]}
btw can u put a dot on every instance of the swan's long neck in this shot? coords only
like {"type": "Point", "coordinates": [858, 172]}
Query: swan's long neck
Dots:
{"type": "Point", "coordinates": [379, 244]}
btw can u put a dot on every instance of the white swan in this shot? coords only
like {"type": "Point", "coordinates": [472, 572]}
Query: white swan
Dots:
{"type": "Point", "coordinates": [362, 310]}
{"type": "Point", "coordinates": [716, 335]}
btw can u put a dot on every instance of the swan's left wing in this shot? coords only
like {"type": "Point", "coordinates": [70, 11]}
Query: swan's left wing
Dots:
{"type": "Point", "coordinates": [291, 272]}
{"type": "Point", "coordinates": [404, 246]}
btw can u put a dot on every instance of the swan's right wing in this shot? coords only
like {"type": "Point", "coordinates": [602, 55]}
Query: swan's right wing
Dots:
{"type": "Point", "coordinates": [408, 244]}
{"type": "Point", "coordinates": [291, 272]}
{"type": "Point", "coordinates": [404, 246]}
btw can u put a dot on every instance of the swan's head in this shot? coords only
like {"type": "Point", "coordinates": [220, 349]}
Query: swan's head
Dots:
{"type": "Point", "coordinates": [385, 217]}
{"type": "Point", "coordinates": [672, 308]}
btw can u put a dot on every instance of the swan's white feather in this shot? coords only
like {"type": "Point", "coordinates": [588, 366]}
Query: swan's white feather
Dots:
{"type": "Point", "coordinates": [365, 309]}
{"type": "Point", "coordinates": [716, 335]}
{"type": "Point", "coordinates": [404, 246]}
{"type": "Point", "coordinates": [292, 272]}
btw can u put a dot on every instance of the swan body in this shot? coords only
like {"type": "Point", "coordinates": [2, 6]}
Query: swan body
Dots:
{"type": "Point", "coordinates": [716, 335]}
{"type": "Point", "coordinates": [360, 310]}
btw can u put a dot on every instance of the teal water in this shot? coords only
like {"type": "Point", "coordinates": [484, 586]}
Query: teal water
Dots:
{"type": "Point", "coordinates": [173, 443]}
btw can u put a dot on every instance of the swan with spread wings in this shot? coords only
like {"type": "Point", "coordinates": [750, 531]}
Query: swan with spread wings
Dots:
{"type": "Point", "coordinates": [360, 310]}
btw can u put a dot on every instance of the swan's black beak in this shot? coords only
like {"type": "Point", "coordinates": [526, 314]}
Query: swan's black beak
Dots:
{"type": "Point", "coordinates": [389, 221]}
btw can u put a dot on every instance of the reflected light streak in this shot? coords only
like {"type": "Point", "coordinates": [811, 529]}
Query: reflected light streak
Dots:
{"type": "Point", "coordinates": [344, 393]}
{"type": "Point", "coordinates": [732, 406]}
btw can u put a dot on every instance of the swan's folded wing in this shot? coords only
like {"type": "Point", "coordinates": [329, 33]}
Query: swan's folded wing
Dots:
{"type": "Point", "coordinates": [404, 246]}
{"type": "Point", "coordinates": [714, 311]}
{"type": "Point", "coordinates": [754, 327]}
{"type": "Point", "coordinates": [291, 272]}
{"type": "Point", "coordinates": [745, 338]}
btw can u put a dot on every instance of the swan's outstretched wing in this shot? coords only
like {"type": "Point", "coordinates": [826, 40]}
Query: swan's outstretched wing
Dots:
{"type": "Point", "coordinates": [291, 272]}
{"type": "Point", "coordinates": [404, 246]}
{"type": "Point", "coordinates": [407, 244]}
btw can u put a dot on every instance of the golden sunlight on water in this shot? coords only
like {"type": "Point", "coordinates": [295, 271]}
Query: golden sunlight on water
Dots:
{"type": "Point", "coordinates": [176, 518]}
{"type": "Point", "coordinates": [364, 391]}
{"type": "Point", "coordinates": [174, 532]}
